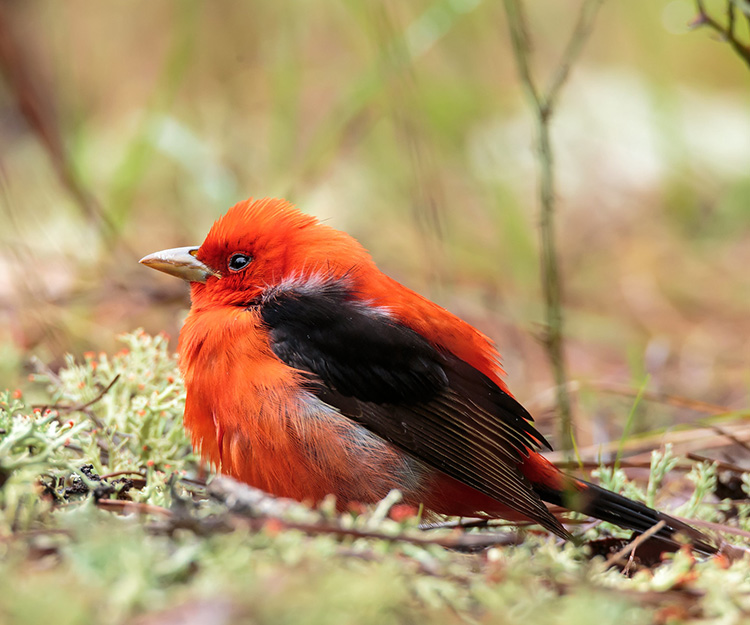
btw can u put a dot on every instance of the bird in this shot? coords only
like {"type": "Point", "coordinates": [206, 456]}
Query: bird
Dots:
{"type": "Point", "coordinates": [309, 372]}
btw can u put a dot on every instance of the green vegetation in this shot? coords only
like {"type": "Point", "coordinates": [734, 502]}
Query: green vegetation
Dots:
{"type": "Point", "coordinates": [105, 518]}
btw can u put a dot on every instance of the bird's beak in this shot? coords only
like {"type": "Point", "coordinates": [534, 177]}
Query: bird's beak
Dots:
{"type": "Point", "coordinates": [180, 262]}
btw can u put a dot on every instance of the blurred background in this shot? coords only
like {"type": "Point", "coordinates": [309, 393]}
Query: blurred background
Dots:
{"type": "Point", "coordinates": [128, 127]}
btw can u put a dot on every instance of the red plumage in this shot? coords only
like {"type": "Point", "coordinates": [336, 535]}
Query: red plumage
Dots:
{"type": "Point", "coordinates": [309, 372]}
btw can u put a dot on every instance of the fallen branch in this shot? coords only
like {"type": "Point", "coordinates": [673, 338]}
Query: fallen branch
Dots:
{"type": "Point", "coordinates": [118, 505]}
{"type": "Point", "coordinates": [250, 507]}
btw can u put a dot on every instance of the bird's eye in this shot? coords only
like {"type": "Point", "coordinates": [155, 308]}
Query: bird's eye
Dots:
{"type": "Point", "coordinates": [238, 262]}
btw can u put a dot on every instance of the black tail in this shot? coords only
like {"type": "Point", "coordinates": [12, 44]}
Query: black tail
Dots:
{"type": "Point", "coordinates": [608, 506]}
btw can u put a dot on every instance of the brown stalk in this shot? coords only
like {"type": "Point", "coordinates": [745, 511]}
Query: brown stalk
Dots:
{"type": "Point", "coordinates": [543, 105]}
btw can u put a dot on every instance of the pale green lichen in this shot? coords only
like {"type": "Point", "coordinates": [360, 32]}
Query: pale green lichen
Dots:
{"type": "Point", "coordinates": [65, 560]}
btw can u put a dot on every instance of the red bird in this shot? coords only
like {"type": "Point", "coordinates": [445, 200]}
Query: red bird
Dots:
{"type": "Point", "coordinates": [310, 372]}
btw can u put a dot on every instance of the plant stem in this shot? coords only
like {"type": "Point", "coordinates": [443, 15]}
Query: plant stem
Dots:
{"type": "Point", "coordinates": [542, 105]}
{"type": "Point", "coordinates": [726, 32]}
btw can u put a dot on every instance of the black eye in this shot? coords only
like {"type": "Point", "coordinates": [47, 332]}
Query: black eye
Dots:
{"type": "Point", "coordinates": [237, 262]}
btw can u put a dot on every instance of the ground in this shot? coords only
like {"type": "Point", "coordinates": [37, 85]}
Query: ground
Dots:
{"type": "Point", "coordinates": [107, 517]}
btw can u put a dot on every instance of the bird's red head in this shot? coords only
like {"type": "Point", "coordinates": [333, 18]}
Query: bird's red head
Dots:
{"type": "Point", "coordinates": [258, 244]}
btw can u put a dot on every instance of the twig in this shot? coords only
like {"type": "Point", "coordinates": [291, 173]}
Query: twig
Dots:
{"type": "Point", "coordinates": [742, 444]}
{"type": "Point", "coordinates": [728, 32]}
{"type": "Point", "coordinates": [590, 465]}
{"type": "Point", "coordinates": [470, 523]}
{"type": "Point", "coordinates": [42, 368]}
{"type": "Point", "coordinates": [658, 397]}
{"type": "Point", "coordinates": [543, 105]}
{"type": "Point", "coordinates": [731, 14]}
{"type": "Point", "coordinates": [90, 403]}
{"type": "Point", "coordinates": [720, 464]}
{"type": "Point", "coordinates": [683, 441]}
{"type": "Point", "coordinates": [717, 527]}
{"type": "Point", "coordinates": [733, 552]}
{"type": "Point", "coordinates": [632, 546]}
{"type": "Point", "coordinates": [118, 505]}
{"type": "Point", "coordinates": [256, 509]}
{"type": "Point", "coordinates": [462, 523]}
{"type": "Point", "coordinates": [581, 33]}
{"type": "Point", "coordinates": [452, 541]}
{"type": "Point", "coordinates": [63, 409]}
{"type": "Point", "coordinates": [119, 473]}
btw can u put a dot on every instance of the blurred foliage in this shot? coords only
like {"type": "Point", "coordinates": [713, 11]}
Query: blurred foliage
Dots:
{"type": "Point", "coordinates": [403, 124]}
{"type": "Point", "coordinates": [104, 519]}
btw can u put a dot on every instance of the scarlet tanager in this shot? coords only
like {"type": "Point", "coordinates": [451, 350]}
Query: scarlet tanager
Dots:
{"type": "Point", "coordinates": [310, 372]}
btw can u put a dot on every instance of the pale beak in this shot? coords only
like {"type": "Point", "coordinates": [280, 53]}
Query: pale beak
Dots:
{"type": "Point", "coordinates": [180, 262]}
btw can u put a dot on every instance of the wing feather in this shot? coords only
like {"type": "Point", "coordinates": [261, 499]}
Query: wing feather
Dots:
{"type": "Point", "coordinates": [392, 381]}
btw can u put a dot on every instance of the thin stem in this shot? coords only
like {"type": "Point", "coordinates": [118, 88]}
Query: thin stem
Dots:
{"type": "Point", "coordinates": [551, 281]}
{"type": "Point", "coordinates": [520, 41]}
{"type": "Point", "coordinates": [581, 33]}
{"type": "Point", "coordinates": [730, 19]}
{"type": "Point", "coordinates": [542, 105]}
{"type": "Point", "coordinates": [728, 32]}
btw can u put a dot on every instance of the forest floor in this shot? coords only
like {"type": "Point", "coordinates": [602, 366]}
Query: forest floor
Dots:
{"type": "Point", "coordinates": [106, 516]}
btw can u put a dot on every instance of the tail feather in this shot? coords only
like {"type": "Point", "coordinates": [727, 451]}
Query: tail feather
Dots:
{"type": "Point", "coordinates": [602, 504]}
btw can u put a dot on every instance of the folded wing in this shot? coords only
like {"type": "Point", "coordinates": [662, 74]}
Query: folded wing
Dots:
{"type": "Point", "coordinates": [395, 383]}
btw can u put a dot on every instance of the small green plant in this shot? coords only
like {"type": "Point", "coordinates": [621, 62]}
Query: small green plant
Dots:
{"type": "Point", "coordinates": [662, 462]}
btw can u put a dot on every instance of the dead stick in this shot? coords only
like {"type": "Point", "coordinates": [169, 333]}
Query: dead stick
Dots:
{"type": "Point", "coordinates": [632, 546]}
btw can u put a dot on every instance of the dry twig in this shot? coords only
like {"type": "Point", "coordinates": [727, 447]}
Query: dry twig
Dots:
{"type": "Point", "coordinates": [629, 549]}
{"type": "Point", "coordinates": [728, 32]}
{"type": "Point", "coordinates": [543, 104]}
{"type": "Point", "coordinates": [63, 408]}
{"type": "Point", "coordinates": [250, 507]}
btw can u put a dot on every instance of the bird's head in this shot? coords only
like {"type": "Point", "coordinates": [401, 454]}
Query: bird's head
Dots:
{"type": "Point", "coordinates": [257, 245]}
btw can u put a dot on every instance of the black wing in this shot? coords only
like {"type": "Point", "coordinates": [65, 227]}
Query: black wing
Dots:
{"type": "Point", "coordinates": [392, 381]}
